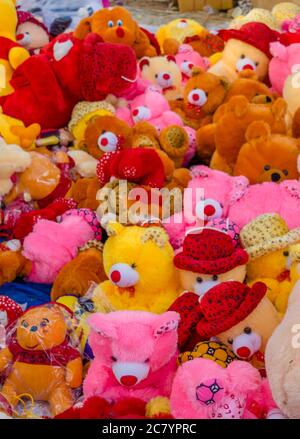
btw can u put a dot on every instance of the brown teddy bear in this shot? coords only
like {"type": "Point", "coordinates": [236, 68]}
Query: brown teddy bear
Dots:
{"type": "Point", "coordinates": [76, 276]}
{"type": "Point", "coordinates": [84, 192]}
{"type": "Point", "coordinates": [203, 94]}
{"type": "Point", "coordinates": [116, 25]}
{"type": "Point", "coordinates": [266, 156]}
{"type": "Point", "coordinates": [247, 85]}
{"type": "Point", "coordinates": [296, 124]}
{"type": "Point", "coordinates": [232, 125]}
{"type": "Point", "coordinates": [12, 264]}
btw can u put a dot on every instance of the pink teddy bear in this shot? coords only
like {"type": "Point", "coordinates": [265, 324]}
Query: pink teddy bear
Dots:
{"type": "Point", "coordinates": [292, 26]}
{"type": "Point", "coordinates": [187, 59]}
{"type": "Point", "coordinates": [135, 355]}
{"type": "Point", "coordinates": [286, 61]}
{"type": "Point", "coordinates": [213, 195]}
{"type": "Point", "coordinates": [51, 245]}
{"type": "Point", "coordinates": [202, 389]}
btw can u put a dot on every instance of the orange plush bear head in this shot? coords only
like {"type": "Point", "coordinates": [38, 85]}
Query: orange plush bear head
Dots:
{"type": "Point", "coordinates": [204, 93]}
{"type": "Point", "coordinates": [248, 85]}
{"type": "Point", "coordinates": [106, 134]}
{"type": "Point", "coordinates": [42, 327]}
{"type": "Point", "coordinates": [116, 25]}
{"type": "Point", "coordinates": [267, 156]}
{"type": "Point", "coordinates": [232, 125]}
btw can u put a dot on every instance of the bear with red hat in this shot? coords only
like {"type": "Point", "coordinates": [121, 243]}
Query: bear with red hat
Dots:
{"type": "Point", "coordinates": [31, 32]}
{"type": "Point", "coordinates": [209, 258]}
{"type": "Point", "coordinates": [247, 48]}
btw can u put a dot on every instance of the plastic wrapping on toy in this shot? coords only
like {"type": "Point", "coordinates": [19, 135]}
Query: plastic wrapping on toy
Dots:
{"type": "Point", "coordinates": [41, 365]}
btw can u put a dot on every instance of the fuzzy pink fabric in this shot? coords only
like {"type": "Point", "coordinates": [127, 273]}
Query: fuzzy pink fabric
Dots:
{"type": "Point", "coordinates": [239, 201]}
{"type": "Point", "coordinates": [187, 59]}
{"type": "Point", "coordinates": [136, 337]}
{"type": "Point", "coordinates": [285, 60]}
{"type": "Point", "coordinates": [234, 387]}
{"type": "Point", "coordinates": [51, 245]}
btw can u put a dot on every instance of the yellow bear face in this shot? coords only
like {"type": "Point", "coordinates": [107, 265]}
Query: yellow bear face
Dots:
{"type": "Point", "coordinates": [271, 265]}
{"type": "Point", "coordinates": [138, 257]}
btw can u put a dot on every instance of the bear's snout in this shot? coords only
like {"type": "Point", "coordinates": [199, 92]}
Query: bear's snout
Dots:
{"type": "Point", "coordinates": [123, 275]}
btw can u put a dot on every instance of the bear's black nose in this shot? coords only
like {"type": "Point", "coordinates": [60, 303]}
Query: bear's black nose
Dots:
{"type": "Point", "coordinates": [275, 177]}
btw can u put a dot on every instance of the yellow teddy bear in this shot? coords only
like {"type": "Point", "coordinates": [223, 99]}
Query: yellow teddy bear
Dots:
{"type": "Point", "coordinates": [139, 264]}
{"type": "Point", "coordinates": [179, 30]}
{"type": "Point", "coordinates": [270, 243]}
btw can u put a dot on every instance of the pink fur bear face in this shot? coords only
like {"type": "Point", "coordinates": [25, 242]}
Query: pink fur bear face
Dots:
{"type": "Point", "coordinates": [133, 344]}
{"type": "Point", "coordinates": [187, 59]}
{"type": "Point", "coordinates": [204, 390]}
{"type": "Point", "coordinates": [286, 61]}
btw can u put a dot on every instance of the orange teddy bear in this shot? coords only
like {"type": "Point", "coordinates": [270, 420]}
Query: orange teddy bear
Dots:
{"type": "Point", "coordinates": [247, 85]}
{"type": "Point", "coordinates": [40, 359]}
{"type": "Point", "coordinates": [116, 25]}
{"type": "Point", "coordinates": [267, 156]}
{"type": "Point", "coordinates": [203, 94]}
{"type": "Point", "coordinates": [234, 119]}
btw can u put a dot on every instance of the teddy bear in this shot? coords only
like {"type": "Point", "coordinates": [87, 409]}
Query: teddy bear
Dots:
{"type": "Point", "coordinates": [31, 32]}
{"type": "Point", "coordinates": [122, 367]}
{"type": "Point", "coordinates": [163, 72]}
{"type": "Point", "coordinates": [202, 95]}
{"type": "Point", "coordinates": [282, 355]}
{"type": "Point", "coordinates": [245, 48]}
{"type": "Point", "coordinates": [292, 26]}
{"type": "Point", "coordinates": [76, 276]}
{"type": "Point", "coordinates": [134, 282]}
{"type": "Point", "coordinates": [12, 53]}
{"type": "Point", "coordinates": [13, 159]}
{"type": "Point", "coordinates": [291, 94]}
{"type": "Point", "coordinates": [247, 85]}
{"type": "Point", "coordinates": [260, 146]}
{"type": "Point", "coordinates": [12, 263]}
{"type": "Point", "coordinates": [268, 241]}
{"type": "Point", "coordinates": [116, 25]}
{"type": "Point", "coordinates": [240, 113]}
{"type": "Point", "coordinates": [40, 359]}
{"type": "Point", "coordinates": [46, 178]}
{"type": "Point", "coordinates": [74, 70]}
{"type": "Point", "coordinates": [63, 239]}
{"type": "Point", "coordinates": [285, 60]}
{"type": "Point", "coordinates": [84, 192]}
{"type": "Point", "coordinates": [285, 11]}
{"type": "Point", "coordinates": [179, 30]}
{"type": "Point", "coordinates": [202, 389]}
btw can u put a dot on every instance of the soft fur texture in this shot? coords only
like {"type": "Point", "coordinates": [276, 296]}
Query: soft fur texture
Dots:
{"type": "Point", "coordinates": [187, 59]}
{"type": "Point", "coordinates": [238, 384]}
{"type": "Point", "coordinates": [51, 245]}
{"type": "Point", "coordinates": [162, 71]}
{"type": "Point", "coordinates": [117, 353]}
{"type": "Point", "coordinates": [156, 286]}
{"type": "Point", "coordinates": [235, 199]}
{"type": "Point", "coordinates": [282, 359]}
{"type": "Point", "coordinates": [116, 25]}
{"type": "Point", "coordinates": [179, 29]}
{"type": "Point", "coordinates": [282, 64]}
{"type": "Point", "coordinates": [231, 128]}
{"type": "Point", "coordinates": [202, 95]}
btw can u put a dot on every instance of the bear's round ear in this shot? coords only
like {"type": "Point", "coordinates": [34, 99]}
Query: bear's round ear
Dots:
{"type": "Point", "coordinates": [279, 109]}
{"type": "Point", "coordinates": [171, 58]}
{"type": "Point", "coordinates": [278, 50]}
{"type": "Point", "coordinates": [167, 322]}
{"type": "Point", "coordinates": [238, 105]}
{"type": "Point", "coordinates": [157, 235]}
{"type": "Point", "coordinates": [114, 228]}
{"type": "Point", "coordinates": [144, 62]}
{"type": "Point", "coordinates": [258, 131]}
{"type": "Point", "coordinates": [197, 71]}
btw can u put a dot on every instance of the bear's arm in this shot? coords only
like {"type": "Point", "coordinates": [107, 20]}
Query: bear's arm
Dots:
{"type": "Point", "coordinates": [74, 373]}
{"type": "Point", "coordinates": [5, 358]}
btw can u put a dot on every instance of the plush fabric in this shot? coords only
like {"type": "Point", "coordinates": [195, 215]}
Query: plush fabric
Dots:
{"type": "Point", "coordinates": [281, 66]}
{"type": "Point", "coordinates": [122, 367]}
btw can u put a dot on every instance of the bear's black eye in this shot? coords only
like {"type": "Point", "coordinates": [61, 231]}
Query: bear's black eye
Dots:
{"type": "Point", "coordinates": [199, 280]}
{"type": "Point", "coordinates": [230, 341]}
{"type": "Point", "coordinates": [247, 330]}
{"type": "Point", "coordinates": [286, 253]}
{"type": "Point", "coordinates": [286, 172]}
{"type": "Point", "coordinates": [215, 277]}
{"type": "Point", "coordinates": [243, 56]}
{"type": "Point", "coordinates": [114, 358]}
{"type": "Point", "coordinates": [257, 64]}
{"type": "Point", "coordinates": [267, 168]}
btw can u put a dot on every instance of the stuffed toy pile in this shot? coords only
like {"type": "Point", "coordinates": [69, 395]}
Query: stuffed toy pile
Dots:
{"type": "Point", "coordinates": [149, 190]}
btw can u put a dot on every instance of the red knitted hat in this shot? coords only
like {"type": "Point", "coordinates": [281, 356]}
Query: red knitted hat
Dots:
{"type": "Point", "coordinates": [210, 251]}
{"type": "Point", "coordinates": [226, 305]}
{"type": "Point", "coordinates": [24, 17]}
{"type": "Point", "coordinates": [12, 309]}
{"type": "Point", "coordinates": [258, 35]}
